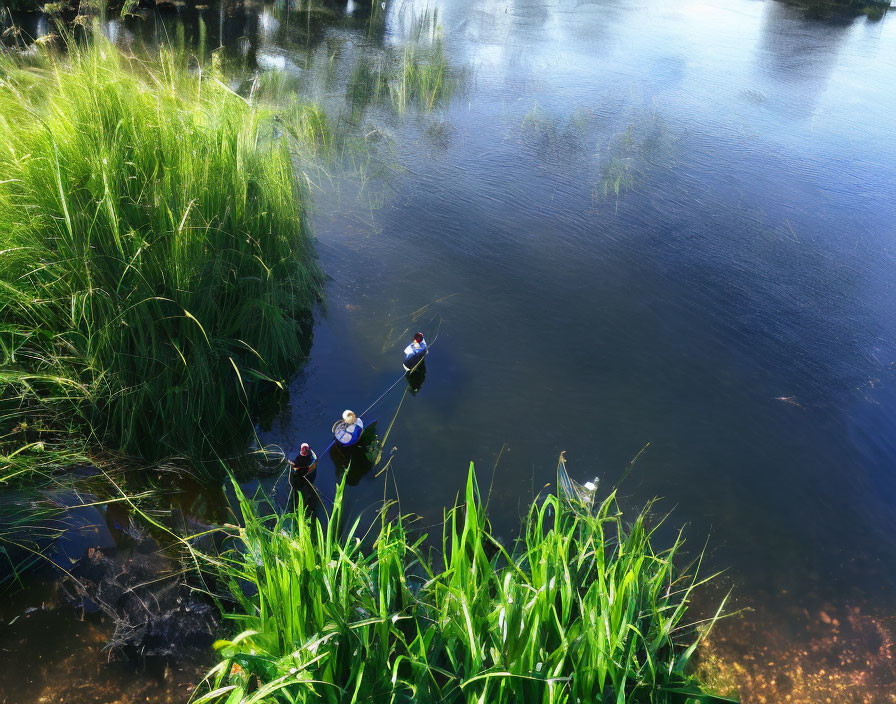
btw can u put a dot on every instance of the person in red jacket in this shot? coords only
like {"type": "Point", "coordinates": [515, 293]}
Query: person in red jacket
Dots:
{"type": "Point", "coordinates": [302, 467]}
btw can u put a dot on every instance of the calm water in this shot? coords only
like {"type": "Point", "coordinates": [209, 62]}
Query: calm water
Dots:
{"type": "Point", "coordinates": [751, 259]}
{"type": "Point", "coordinates": [732, 306]}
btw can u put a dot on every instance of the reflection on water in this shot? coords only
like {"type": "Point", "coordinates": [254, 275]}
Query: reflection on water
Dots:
{"type": "Point", "coordinates": [415, 378]}
{"type": "Point", "coordinates": [663, 223]}
{"type": "Point", "coordinates": [798, 60]}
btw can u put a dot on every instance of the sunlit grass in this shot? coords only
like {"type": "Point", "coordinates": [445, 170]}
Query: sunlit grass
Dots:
{"type": "Point", "coordinates": [422, 78]}
{"type": "Point", "coordinates": [583, 609]}
{"type": "Point", "coordinates": [157, 267]}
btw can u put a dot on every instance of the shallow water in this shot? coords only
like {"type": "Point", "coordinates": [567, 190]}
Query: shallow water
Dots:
{"type": "Point", "coordinates": [732, 305]}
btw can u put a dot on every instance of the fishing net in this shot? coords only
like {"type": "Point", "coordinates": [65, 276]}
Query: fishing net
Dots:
{"type": "Point", "coordinates": [342, 433]}
{"type": "Point", "coordinates": [571, 490]}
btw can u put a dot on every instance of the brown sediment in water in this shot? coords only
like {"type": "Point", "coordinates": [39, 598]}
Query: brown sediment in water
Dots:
{"type": "Point", "coordinates": [122, 627]}
{"type": "Point", "coordinates": [53, 655]}
{"type": "Point", "coordinates": [787, 654]}
{"type": "Point", "coordinates": [173, 686]}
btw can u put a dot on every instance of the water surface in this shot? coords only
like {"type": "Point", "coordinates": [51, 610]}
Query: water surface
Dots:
{"type": "Point", "coordinates": [667, 223]}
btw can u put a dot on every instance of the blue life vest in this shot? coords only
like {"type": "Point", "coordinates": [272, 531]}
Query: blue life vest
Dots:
{"type": "Point", "coordinates": [348, 434]}
{"type": "Point", "coordinates": [412, 355]}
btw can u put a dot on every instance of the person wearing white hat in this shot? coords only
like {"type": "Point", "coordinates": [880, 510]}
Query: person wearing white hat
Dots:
{"type": "Point", "coordinates": [348, 430]}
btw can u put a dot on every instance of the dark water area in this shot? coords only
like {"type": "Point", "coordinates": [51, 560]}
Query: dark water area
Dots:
{"type": "Point", "coordinates": [669, 223]}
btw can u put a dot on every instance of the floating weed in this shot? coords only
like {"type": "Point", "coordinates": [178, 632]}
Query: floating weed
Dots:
{"type": "Point", "coordinates": [628, 157]}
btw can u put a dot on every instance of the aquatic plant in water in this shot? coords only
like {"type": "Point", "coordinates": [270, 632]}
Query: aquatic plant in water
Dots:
{"type": "Point", "coordinates": [582, 609]}
{"type": "Point", "coordinates": [157, 267]}
{"type": "Point", "coordinates": [422, 77]}
{"type": "Point", "coordinates": [628, 157]}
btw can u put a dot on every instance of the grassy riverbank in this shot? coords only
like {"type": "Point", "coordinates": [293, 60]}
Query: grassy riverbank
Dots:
{"type": "Point", "coordinates": [158, 272]}
{"type": "Point", "coordinates": [583, 608]}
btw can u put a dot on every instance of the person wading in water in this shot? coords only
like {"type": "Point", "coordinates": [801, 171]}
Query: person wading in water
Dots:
{"type": "Point", "coordinates": [415, 352]}
{"type": "Point", "coordinates": [302, 468]}
{"type": "Point", "coordinates": [348, 430]}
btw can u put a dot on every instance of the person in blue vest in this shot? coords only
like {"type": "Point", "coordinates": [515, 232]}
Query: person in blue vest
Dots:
{"type": "Point", "coordinates": [415, 352]}
{"type": "Point", "coordinates": [348, 430]}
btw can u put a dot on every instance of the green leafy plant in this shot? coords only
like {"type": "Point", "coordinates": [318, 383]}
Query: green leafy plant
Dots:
{"type": "Point", "coordinates": [582, 609]}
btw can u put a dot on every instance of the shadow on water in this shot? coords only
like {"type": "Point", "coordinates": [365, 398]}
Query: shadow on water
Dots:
{"type": "Point", "coordinates": [415, 378]}
{"type": "Point", "coordinates": [356, 462]}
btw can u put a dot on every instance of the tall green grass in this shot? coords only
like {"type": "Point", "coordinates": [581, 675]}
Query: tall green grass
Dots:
{"type": "Point", "coordinates": [157, 270]}
{"type": "Point", "coordinates": [583, 609]}
{"type": "Point", "coordinates": [422, 78]}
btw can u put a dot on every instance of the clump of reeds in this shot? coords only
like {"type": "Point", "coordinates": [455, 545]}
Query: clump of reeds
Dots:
{"type": "Point", "coordinates": [583, 609]}
{"type": "Point", "coordinates": [422, 78]}
{"type": "Point", "coordinates": [157, 266]}
{"type": "Point", "coordinates": [423, 75]}
{"type": "Point", "coordinates": [309, 125]}
{"type": "Point", "coordinates": [419, 76]}
{"type": "Point", "coordinates": [627, 159]}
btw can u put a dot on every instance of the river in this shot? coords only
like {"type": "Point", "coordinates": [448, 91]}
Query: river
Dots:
{"type": "Point", "coordinates": [669, 223]}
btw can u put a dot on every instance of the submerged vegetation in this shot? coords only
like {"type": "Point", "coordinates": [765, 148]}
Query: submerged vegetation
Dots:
{"type": "Point", "coordinates": [620, 161]}
{"type": "Point", "coordinates": [420, 76]}
{"type": "Point", "coordinates": [157, 268]}
{"type": "Point", "coordinates": [584, 609]}
{"type": "Point", "coordinates": [30, 521]}
{"type": "Point", "coordinates": [627, 158]}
